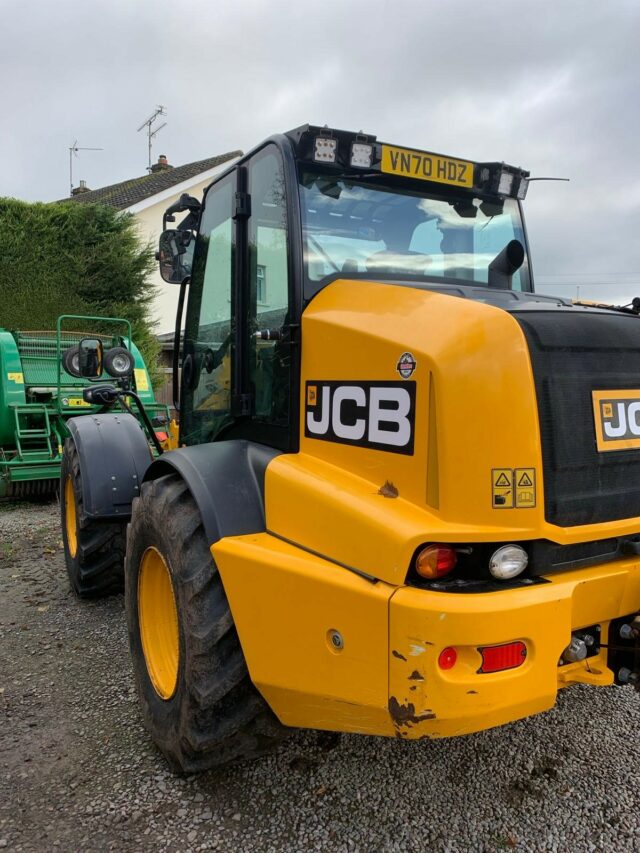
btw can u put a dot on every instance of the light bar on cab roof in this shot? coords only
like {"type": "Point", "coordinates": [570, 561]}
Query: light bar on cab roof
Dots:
{"type": "Point", "coordinates": [345, 150]}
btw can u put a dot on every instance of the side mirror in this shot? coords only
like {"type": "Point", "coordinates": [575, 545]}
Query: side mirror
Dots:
{"type": "Point", "coordinates": [90, 358]}
{"type": "Point", "coordinates": [175, 254]}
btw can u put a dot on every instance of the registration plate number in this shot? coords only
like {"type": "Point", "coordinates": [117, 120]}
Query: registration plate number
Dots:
{"type": "Point", "coordinates": [426, 167]}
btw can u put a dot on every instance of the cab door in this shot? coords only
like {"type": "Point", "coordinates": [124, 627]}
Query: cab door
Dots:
{"type": "Point", "coordinates": [209, 349]}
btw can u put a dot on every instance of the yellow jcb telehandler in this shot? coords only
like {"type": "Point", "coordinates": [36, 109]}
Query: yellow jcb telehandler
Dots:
{"type": "Point", "coordinates": [404, 495]}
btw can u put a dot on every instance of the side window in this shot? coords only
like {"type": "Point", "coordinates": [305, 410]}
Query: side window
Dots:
{"type": "Point", "coordinates": [269, 354]}
{"type": "Point", "coordinates": [208, 346]}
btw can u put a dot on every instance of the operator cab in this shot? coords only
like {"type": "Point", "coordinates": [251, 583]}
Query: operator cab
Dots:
{"type": "Point", "coordinates": [303, 209]}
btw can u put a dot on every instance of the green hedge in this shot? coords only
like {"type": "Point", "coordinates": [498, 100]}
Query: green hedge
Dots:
{"type": "Point", "coordinates": [70, 258]}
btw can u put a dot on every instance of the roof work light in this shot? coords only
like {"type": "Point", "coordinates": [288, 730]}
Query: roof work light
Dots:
{"type": "Point", "coordinates": [361, 155]}
{"type": "Point", "coordinates": [325, 149]}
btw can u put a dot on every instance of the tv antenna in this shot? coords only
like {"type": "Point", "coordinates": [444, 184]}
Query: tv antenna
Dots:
{"type": "Point", "coordinates": [73, 149]}
{"type": "Point", "coordinates": [159, 111]}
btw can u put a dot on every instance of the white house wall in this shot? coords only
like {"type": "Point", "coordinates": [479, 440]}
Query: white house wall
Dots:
{"type": "Point", "coordinates": [148, 215]}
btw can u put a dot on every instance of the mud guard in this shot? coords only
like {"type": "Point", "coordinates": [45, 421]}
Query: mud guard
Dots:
{"type": "Point", "coordinates": [226, 480]}
{"type": "Point", "coordinates": [114, 455]}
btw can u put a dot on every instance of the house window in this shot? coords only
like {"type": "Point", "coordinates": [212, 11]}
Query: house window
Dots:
{"type": "Point", "coordinates": [261, 284]}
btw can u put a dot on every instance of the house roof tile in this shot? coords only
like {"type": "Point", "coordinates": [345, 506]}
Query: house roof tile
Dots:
{"type": "Point", "coordinates": [128, 193]}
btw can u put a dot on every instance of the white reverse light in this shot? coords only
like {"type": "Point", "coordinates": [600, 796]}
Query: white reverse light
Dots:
{"type": "Point", "coordinates": [325, 150]}
{"type": "Point", "coordinates": [505, 184]}
{"type": "Point", "coordinates": [523, 186]}
{"type": "Point", "coordinates": [361, 155]}
{"type": "Point", "coordinates": [508, 562]}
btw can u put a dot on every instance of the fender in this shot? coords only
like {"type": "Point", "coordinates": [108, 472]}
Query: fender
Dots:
{"type": "Point", "coordinates": [114, 455]}
{"type": "Point", "coordinates": [226, 480]}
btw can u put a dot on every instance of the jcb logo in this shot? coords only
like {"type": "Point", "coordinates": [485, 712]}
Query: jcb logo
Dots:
{"type": "Point", "coordinates": [379, 415]}
{"type": "Point", "coordinates": [617, 419]}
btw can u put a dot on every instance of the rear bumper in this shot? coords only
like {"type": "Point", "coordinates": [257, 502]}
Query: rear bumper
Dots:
{"type": "Point", "coordinates": [384, 678]}
{"type": "Point", "coordinates": [427, 701]}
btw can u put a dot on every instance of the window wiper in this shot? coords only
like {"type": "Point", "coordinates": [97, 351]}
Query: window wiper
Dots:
{"type": "Point", "coordinates": [632, 307]}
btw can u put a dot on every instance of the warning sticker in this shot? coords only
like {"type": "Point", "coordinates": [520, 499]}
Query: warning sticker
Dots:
{"type": "Point", "coordinates": [525, 480]}
{"type": "Point", "coordinates": [502, 488]}
{"type": "Point", "coordinates": [513, 488]}
{"type": "Point", "coordinates": [16, 377]}
{"type": "Point", "coordinates": [142, 383]}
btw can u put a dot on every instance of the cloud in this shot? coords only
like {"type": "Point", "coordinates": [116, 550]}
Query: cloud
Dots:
{"type": "Point", "coordinates": [549, 86]}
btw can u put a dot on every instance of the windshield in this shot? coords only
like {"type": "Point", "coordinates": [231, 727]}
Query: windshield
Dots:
{"type": "Point", "coordinates": [371, 229]}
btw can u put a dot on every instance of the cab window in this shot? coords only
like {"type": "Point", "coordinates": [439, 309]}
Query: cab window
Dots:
{"type": "Point", "coordinates": [268, 304]}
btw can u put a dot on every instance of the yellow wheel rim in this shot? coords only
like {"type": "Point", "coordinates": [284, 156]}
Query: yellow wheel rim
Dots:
{"type": "Point", "coordinates": [70, 516]}
{"type": "Point", "coordinates": [158, 619]}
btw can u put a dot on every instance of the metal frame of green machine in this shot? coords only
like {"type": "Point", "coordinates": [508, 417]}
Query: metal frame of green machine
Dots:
{"type": "Point", "coordinates": [38, 395]}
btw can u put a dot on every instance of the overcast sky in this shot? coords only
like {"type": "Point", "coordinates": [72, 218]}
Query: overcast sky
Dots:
{"type": "Point", "coordinates": [553, 87]}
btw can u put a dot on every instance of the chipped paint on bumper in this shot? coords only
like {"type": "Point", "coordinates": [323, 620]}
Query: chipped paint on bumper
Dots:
{"type": "Point", "coordinates": [426, 701]}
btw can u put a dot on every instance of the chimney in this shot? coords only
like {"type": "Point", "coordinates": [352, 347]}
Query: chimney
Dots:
{"type": "Point", "coordinates": [162, 165]}
{"type": "Point", "coordinates": [83, 188]}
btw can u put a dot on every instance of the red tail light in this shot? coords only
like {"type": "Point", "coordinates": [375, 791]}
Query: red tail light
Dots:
{"type": "Point", "coordinates": [436, 561]}
{"type": "Point", "coordinates": [447, 658]}
{"type": "Point", "coordinates": [498, 658]}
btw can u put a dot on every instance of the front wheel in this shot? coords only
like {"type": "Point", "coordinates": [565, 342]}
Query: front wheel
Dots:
{"type": "Point", "coordinates": [197, 698]}
{"type": "Point", "coordinates": [93, 550]}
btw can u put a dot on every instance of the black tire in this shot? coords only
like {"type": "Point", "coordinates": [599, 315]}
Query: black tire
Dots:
{"type": "Point", "coordinates": [111, 357]}
{"type": "Point", "coordinates": [215, 714]}
{"type": "Point", "coordinates": [71, 361]}
{"type": "Point", "coordinates": [96, 565]}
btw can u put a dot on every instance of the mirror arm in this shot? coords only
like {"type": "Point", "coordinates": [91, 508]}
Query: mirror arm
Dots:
{"type": "Point", "coordinates": [176, 343]}
{"type": "Point", "coordinates": [145, 418]}
{"type": "Point", "coordinates": [185, 202]}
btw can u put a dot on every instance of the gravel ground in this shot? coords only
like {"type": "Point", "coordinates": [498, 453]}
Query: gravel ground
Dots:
{"type": "Point", "coordinates": [78, 772]}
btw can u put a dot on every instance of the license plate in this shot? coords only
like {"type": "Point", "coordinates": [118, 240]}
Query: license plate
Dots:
{"type": "Point", "coordinates": [426, 167]}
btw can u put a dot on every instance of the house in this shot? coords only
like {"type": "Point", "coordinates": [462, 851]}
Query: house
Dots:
{"type": "Point", "coordinates": [147, 197]}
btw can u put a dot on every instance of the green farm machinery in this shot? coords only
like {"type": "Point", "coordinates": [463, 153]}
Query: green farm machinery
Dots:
{"type": "Point", "coordinates": [41, 388]}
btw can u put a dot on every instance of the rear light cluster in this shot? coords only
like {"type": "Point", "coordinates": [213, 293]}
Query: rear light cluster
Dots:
{"type": "Point", "coordinates": [499, 658]}
{"type": "Point", "coordinates": [494, 658]}
{"type": "Point", "coordinates": [436, 561]}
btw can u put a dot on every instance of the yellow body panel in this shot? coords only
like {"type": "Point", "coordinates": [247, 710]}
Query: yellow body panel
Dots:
{"type": "Point", "coordinates": [338, 511]}
{"type": "Point", "coordinates": [386, 680]}
{"type": "Point", "coordinates": [476, 412]}
{"type": "Point", "coordinates": [285, 604]}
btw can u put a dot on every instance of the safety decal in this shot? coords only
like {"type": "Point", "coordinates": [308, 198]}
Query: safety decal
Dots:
{"type": "Point", "coordinates": [525, 480]}
{"type": "Point", "coordinates": [378, 415]}
{"type": "Point", "coordinates": [406, 365]}
{"type": "Point", "coordinates": [16, 377]}
{"type": "Point", "coordinates": [513, 488]}
{"type": "Point", "coordinates": [502, 488]}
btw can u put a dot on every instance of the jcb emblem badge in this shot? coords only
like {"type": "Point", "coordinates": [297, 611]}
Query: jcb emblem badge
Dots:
{"type": "Point", "coordinates": [379, 415]}
{"type": "Point", "coordinates": [617, 419]}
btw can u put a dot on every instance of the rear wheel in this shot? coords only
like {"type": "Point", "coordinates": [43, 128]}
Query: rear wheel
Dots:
{"type": "Point", "coordinates": [93, 550]}
{"type": "Point", "coordinates": [197, 698]}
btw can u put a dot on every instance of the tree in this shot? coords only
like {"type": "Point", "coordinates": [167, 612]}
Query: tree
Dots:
{"type": "Point", "coordinates": [68, 258]}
